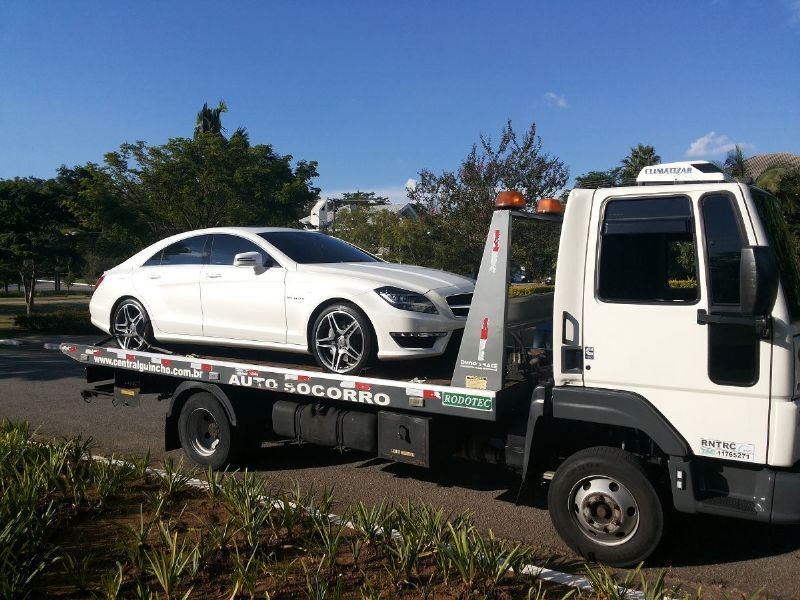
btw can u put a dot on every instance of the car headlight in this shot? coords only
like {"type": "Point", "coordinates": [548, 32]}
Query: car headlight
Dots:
{"type": "Point", "coordinates": [405, 300]}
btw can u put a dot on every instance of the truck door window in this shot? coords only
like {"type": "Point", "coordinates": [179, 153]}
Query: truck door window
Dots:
{"type": "Point", "coordinates": [724, 243]}
{"type": "Point", "coordinates": [732, 348]}
{"type": "Point", "coordinates": [648, 251]}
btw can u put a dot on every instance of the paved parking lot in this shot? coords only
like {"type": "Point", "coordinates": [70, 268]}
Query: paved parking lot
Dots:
{"type": "Point", "coordinates": [722, 555]}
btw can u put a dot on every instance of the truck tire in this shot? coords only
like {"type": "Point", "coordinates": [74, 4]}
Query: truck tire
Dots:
{"type": "Point", "coordinates": [205, 431]}
{"type": "Point", "coordinates": [342, 340]}
{"type": "Point", "coordinates": [604, 506]}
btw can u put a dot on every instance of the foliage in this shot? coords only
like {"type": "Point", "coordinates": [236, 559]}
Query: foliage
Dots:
{"type": "Point", "coordinates": [209, 120]}
{"type": "Point", "coordinates": [457, 206]}
{"type": "Point", "coordinates": [598, 179]}
{"type": "Point", "coordinates": [386, 234]}
{"type": "Point", "coordinates": [359, 197]}
{"type": "Point", "coordinates": [736, 164]}
{"type": "Point", "coordinates": [33, 235]}
{"type": "Point", "coordinates": [209, 181]}
{"type": "Point", "coordinates": [640, 156]}
{"type": "Point", "coordinates": [61, 321]}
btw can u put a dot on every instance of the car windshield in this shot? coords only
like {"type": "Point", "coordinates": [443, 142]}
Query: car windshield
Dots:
{"type": "Point", "coordinates": [306, 248]}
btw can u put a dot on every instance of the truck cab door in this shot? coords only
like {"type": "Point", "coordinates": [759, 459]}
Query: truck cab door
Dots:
{"type": "Point", "coordinates": [656, 262]}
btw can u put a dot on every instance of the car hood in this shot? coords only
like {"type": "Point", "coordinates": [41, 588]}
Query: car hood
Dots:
{"type": "Point", "coordinates": [410, 277]}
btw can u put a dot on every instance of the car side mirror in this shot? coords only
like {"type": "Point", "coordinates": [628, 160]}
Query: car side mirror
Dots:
{"type": "Point", "coordinates": [758, 281]}
{"type": "Point", "coordinates": [249, 259]}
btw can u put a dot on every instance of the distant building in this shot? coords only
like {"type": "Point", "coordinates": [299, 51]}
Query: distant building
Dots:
{"type": "Point", "coordinates": [324, 212]}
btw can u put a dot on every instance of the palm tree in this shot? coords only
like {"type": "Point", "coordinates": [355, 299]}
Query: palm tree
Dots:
{"type": "Point", "coordinates": [209, 120]}
{"type": "Point", "coordinates": [736, 164]}
{"type": "Point", "coordinates": [641, 156]}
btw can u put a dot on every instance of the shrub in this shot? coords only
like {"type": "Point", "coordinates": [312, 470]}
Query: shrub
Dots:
{"type": "Point", "coordinates": [526, 289]}
{"type": "Point", "coordinates": [61, 321]}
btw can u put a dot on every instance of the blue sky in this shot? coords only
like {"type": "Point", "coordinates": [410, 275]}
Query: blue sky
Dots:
{"type": "Point", "coordinates": [375, 91]}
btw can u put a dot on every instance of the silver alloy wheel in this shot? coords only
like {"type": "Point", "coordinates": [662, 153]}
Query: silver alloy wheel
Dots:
{"type": "Point", "coordinates": [204, 432]}
{"type": "Point", "coordinates": [130, 327]}
{"type": "Point", "coordinates": [604, 510]}
{"type": "Point", "coordinates": [339, 341]}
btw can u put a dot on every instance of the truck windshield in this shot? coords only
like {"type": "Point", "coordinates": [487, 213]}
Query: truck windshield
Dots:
{"type": "Point", "coordinates": [782, 246]}
{"type": "Point", "coordinates": [305, 247]}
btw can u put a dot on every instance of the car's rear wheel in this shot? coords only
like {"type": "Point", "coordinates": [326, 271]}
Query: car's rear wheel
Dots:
{"type": "Point", "coordinates": [130, 325]}
{"type": "Point", "coordinates": [342, 340]}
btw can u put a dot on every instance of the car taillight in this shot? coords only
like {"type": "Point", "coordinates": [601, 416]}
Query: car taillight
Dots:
{"type": "Point", "coordinates": [99, 281]}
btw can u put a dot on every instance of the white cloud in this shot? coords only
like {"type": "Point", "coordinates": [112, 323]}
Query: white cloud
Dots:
{"type": "Point", "coordinates": [556, 100]}
{"type": "Point", "coordinates": [713, 144]}
{"type": "Point", "coordinates": [411, 184]}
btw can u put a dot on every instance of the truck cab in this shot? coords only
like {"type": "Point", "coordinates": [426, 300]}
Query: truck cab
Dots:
{"type": "Point", "coordinates": [676, 305]}
{"type": "Point", "coordinates": [656, 310]}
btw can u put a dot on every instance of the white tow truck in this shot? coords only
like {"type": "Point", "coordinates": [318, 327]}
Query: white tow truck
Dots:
{"type": "Point", "coordinates": [673, 378]}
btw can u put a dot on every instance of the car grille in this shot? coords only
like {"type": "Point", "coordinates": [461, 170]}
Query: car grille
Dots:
{"type": "Point", "coordinates": [459, 304]}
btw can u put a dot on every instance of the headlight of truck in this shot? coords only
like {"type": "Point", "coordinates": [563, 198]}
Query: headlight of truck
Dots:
{"type": "Point", "coordinates": [405, 300]}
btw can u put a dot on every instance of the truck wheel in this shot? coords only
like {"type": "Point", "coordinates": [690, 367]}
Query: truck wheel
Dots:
{"type": "Point", "coordinates": [604, 507]}
{"type": "Point", "coordinates": [205, 431]}
{"type": "Point", "coordinates": [342, 340]}
{"type": "Point", "coordinates": [131, 326]}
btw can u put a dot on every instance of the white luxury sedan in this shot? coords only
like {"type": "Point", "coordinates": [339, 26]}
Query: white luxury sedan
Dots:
{"type": "Point", "coordinates": [282, 289]}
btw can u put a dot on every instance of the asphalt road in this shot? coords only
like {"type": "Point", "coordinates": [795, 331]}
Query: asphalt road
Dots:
{"type": "Point", "coordinates": [727, 557]}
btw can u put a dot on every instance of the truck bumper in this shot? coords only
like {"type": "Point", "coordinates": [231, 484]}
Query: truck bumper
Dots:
{"type": "Point", "coordinates": [786, 497]}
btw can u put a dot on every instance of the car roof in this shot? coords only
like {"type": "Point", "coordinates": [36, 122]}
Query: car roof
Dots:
{"type": "Point", "coordinates": [255, 230]}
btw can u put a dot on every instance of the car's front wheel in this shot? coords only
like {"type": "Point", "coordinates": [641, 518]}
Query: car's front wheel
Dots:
{"type": "Point", "coordinates": [130, 325]}
{"type": "Point", "coordinates": [342, 340]}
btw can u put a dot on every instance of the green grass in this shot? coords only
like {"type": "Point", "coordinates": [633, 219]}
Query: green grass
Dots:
{"type": "Point", "coordinates": [13, 306]}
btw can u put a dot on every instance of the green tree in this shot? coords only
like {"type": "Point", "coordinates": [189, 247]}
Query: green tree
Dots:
{"type": "Point", "coordinates": [457, 206]}
{"type": "Point", "coordinates": [598, 179]}
{"type": "Point", "coordinates": [386, 234]}
{"type": "Point", "coordinates": [640, 156]}
{"type": "Point", "coordinates": [33, 237]}
{"type": "Point", "coordinates": [108, 227]}
{"type": "Point", "coordinates": [210, 181]}
{"type": "Point", "coordinates": [736, 164]}
{"type": "Point", "coordinates": [209, 120]}
{"type": "Point", "coordinates": [360, 198]}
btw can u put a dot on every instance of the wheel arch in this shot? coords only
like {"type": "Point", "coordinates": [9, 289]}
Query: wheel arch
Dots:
{"type": "Point", "coordinates": [622, 409]}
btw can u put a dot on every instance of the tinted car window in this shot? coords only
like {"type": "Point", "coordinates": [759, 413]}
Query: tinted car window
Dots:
{"type": "Point", "coordinates": [306, 247]}
{"type": "Point", "coordinates": [190, 251]}
{"type": "Point", "coordinates": [225, 247]}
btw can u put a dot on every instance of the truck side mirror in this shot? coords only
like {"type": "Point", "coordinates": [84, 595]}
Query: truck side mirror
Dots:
{"type": "Point", "coordinates": [248, 259]}
{"type": "Point", "coordinates": [758, 281]}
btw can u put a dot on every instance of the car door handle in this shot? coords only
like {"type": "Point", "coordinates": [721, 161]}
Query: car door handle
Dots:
{"type": "Point", "coordinates": [154, 276]}
{"type": "Point", "coordinates": [213, 275]}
